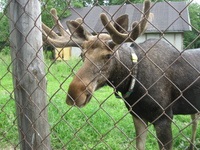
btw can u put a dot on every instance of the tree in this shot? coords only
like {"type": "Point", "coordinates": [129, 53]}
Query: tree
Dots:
{"type": "Point", "coordinates": [28, 70]}
{"type": "Point", "coordinates": [119, 2]}
{"type": "Point", "coordinates": [4, 26]}
{"type": "Point", "coordinates": [192, 38]}
{"type": "Point", "coordinates": [2, 4]}
{"type": "Point", "coordinates": [4, 34]}
{"type": "Point", "coordinates": [62, 7]}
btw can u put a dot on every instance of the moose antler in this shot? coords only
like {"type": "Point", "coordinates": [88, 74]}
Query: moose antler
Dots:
{"type": "Point", "coordinates": [53, 38]}
{"type": "Point", "coordinates": [137, 28]}
{"type": "Point", "coordinates": [77, 33]}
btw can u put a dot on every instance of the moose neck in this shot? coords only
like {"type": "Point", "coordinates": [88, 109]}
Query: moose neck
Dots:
{"type": "Point", "coordinates": [121, 76]}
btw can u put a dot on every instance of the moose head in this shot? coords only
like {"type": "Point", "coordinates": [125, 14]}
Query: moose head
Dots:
{"type": "Point", "coordinates": [99, 52]}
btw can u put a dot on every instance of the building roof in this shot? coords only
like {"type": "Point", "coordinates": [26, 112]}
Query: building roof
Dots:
{"type": "Point", "coordinates": [168, 16]}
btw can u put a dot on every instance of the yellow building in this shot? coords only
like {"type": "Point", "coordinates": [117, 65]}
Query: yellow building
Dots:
{"type": "Point", "coordinates": [63, 53]}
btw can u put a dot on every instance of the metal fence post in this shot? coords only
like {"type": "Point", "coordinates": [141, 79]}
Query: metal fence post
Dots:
{"type": "Point", "coordinates": [29, 74]}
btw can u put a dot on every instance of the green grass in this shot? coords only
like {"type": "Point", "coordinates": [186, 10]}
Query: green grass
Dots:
{"type": "Point", "coordinates": [8, 128]}
{"type": "Point", "coordinates": [103, 124]}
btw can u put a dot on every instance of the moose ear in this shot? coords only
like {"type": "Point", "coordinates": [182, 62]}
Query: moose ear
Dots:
{"type": "Point", "coordinates": [121, 23]}
{"type": "Point", "coordinates": [78, 32]}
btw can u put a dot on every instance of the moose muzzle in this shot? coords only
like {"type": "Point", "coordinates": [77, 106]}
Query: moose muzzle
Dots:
{"type": "Point", "coordinates": [79, 93]}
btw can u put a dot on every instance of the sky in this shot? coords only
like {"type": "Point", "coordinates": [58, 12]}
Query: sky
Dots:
{"type": "Point", "coordinates": [196, 1]}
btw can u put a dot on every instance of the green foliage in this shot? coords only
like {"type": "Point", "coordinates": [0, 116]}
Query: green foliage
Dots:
{"type": "Point", "coordinates": [61, 7]}
{"type": "Point", "coordinates": [78, 5]}
{"type": "Point", "coordinates": [4, 33]}
{"type": "Point", "coordinates": [8, 123]}
{"type": "Point", "coordinates": [118, 2]}
{"type": "Point", "coordinates": [5, 50]}
{"type": "Point", "coordinates": [192, 38]}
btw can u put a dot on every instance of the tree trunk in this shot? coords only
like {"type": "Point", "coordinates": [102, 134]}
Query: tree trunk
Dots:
{"type": "Point", "coordinates": [29, 74]}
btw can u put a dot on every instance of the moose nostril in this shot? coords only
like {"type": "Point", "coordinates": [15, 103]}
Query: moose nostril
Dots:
{"type": "Point", "coordinates": [70, 101]}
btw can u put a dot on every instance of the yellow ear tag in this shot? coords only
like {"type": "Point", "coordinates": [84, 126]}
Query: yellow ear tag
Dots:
{"type": "Point", "coordinates": [134, 57]}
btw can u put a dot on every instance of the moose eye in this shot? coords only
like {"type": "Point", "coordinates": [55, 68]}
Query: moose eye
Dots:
{"type": "Point", "coordinates": [108, 56]}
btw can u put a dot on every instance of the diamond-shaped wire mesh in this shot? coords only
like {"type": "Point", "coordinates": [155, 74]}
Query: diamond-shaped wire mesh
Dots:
{"type": "Point", "coordinates": [105, 122]}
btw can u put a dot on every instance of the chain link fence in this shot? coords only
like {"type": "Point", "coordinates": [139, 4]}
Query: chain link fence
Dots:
{"type": "Point", "coordinates": [35, 77]}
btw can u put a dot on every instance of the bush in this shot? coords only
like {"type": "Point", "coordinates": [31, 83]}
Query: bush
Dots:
{"type": "Point", "coordinates": [5, 50]}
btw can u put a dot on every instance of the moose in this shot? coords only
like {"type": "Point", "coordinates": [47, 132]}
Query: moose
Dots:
{"type": "Point", "coordinates": [156, 80]}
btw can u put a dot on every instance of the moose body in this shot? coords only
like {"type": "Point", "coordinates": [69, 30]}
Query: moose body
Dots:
{"type": "Point", "coordinates": [167, 84]}
{"type": "Point", "coordinates": [166, 81]}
